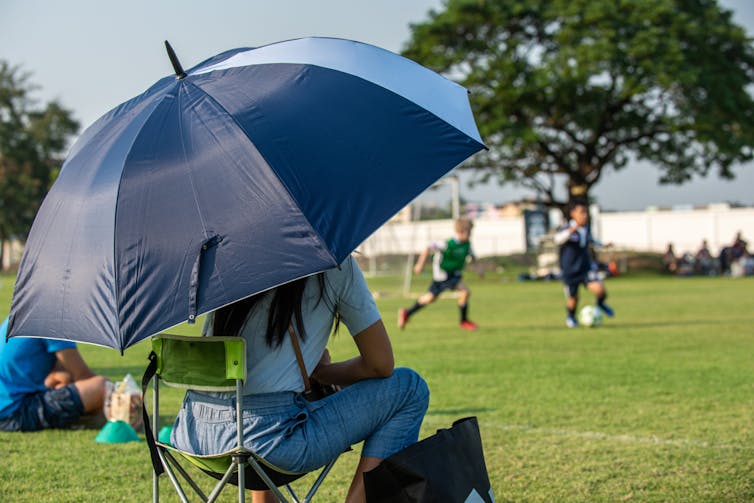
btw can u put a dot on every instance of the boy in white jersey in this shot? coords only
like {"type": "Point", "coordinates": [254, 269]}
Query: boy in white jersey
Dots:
{"type": "Point", "coordinates": [447, 265]}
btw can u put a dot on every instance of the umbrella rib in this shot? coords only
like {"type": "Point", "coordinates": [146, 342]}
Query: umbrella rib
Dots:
{"type": "Point", "coordinates": [116, 270]}
{"type": "Point", "coordinates": [185, 159]}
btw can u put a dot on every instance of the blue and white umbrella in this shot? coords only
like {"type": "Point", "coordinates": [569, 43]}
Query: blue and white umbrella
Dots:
{"type": "Point", "coordinates": [252, 169]}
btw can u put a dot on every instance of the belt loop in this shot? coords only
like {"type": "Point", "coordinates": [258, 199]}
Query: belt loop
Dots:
{"type": "Point", "coordinates": [299, 400]}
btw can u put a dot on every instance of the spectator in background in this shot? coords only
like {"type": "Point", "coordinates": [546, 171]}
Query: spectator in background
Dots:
{"type": "Point", "coordinates": [738, 248]}
{"type": "Point", "coordinates": [747, 264]}
{"type": "Point", "coordinates": [703, 260]}
{"type": "Point", "coordinates": [669, 260]}
{"type": "Point", "coordinates": [45, 383]}
{"type": "Point", "coordinates": [730, 255]}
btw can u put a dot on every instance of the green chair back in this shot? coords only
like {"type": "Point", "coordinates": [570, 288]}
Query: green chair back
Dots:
{"type": "Point", "coordinates": [201, 363]}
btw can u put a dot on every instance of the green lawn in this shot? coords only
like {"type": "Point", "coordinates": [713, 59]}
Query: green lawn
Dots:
{"type": "Point", "coordinates": [656, 405]}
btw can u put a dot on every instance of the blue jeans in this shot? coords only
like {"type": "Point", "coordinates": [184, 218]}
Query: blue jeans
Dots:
{"type": "Point", "coordinates": [301, 436]}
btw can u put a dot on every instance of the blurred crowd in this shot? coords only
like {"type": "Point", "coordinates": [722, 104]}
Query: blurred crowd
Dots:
{"type": "Point", "coordinates": [734, 260]}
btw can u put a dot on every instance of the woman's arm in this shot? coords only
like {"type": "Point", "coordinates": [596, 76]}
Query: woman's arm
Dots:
{"type": "Point", "coordinates": [375, 359]}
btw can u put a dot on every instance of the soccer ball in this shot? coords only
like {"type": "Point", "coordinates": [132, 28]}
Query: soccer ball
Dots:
{"type": "Point", "coordinates": [590, 316]}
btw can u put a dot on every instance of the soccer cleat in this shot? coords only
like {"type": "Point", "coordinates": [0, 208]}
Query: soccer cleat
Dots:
{"type": "Point", "coordinates": [607, 310]}
{"type": "Point", "coordinates": [402, 317]}
{"type": "Point", "coordinates": [468, 325]}
{"type": "Point", "coordinates": [571, 322]}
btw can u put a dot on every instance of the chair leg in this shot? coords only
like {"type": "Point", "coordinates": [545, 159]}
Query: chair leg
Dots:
{"type": "Point", "coordinates": [173, 478]}
{"type": "Point", "coordinates": [220, 485]}
{"type": "Point", "coordinates": [240, 461]}
{"type": "Point", "coordinates": [266, 479]}
{"type": "Point", "coordinates": [185, 476]}
{"type": "Point", "coordinates": [320, 479]}
{"type": "Point", "coordinates": [155, 488]}
{"type": "Point", "coordinates": [292, 493]}
{"type": "Point", "coordinates": [155, 422]}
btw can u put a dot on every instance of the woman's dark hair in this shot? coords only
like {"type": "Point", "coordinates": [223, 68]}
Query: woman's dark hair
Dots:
{"type": "Point", "coordinates": [285, 306]}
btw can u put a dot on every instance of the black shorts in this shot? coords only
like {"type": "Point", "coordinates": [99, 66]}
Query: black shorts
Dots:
{"type": "Point", "coordinates": [451, 283]}
{"type": "Point", "coordinates": [53, 408]}
{"type": "Point", "coordinates": [571, 285]}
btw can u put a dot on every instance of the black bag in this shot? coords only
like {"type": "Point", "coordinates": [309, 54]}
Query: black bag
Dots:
{"type": "Point", "coordinates": [447, 467]}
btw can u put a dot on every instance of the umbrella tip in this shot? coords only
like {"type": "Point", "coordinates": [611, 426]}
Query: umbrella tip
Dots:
{"type": "Point", "coordinates": [179, 73]}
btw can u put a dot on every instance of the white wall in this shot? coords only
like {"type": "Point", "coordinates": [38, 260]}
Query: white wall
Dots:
{"type": "Point", "coordinates": [490, 237]}
{"type": "Point", "coordinates": [639, 231]}
{"type": "Point", "coordinates": [653, 230]}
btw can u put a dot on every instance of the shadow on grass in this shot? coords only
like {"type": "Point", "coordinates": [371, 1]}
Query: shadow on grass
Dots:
{"type": "Point", "coordinates": [658, 324]}
{"type": "Point", "coordinates": [614, 325]}
{"type": "Point", "coordinates": [456, 412]}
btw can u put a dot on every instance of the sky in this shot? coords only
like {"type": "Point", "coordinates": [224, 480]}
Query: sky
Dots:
{"type": "Point", "coordinates": [92, 55]}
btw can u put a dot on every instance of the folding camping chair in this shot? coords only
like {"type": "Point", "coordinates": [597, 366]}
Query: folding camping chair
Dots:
{"type": "Point", "coordinates": [210, 364]}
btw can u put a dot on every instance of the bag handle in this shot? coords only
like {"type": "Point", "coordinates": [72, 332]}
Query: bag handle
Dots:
{"type": "Point", "coordinates": [300, 359]}
{"type": "Point", "coordinates": [149, 373]}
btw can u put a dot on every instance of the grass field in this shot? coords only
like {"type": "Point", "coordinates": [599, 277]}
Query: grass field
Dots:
{"type": "Point", "coordinates": [656, 405]}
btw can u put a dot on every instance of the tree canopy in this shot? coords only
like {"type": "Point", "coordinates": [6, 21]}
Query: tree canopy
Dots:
{"type": "Point", "coordinates": [33, 140]}
{"type": "Point", "coordinates": [564, 90]}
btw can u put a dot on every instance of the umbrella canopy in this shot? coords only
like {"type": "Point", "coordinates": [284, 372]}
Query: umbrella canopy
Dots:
{"type": "Point", "coordinates": [252, 169]}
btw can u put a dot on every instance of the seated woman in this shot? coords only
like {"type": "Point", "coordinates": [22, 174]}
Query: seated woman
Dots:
{"type": "Point", "coordinates": [378, 404]}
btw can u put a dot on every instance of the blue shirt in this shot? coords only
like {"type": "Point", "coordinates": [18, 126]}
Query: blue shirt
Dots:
{"type": "Point", "coordinates": [24, 364]}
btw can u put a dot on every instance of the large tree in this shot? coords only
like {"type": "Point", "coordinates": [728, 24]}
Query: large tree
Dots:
{"type": "Point", "coordinates": [33, 140]}
{"type": "Point", "coordinates": [564, 90]}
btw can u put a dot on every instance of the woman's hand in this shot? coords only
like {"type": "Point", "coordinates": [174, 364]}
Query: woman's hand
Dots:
{"type": "Point", "coordinates": [321, 368]}
{"type": "Point", "coordinates": [324, 362]}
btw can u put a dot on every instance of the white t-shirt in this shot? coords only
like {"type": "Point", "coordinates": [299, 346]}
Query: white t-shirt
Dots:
{"type": "Point", "coordinates": [276, 369]}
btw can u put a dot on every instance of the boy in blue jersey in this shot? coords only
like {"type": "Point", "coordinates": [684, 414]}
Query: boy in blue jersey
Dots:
{"type": "Point", "coordinates": [576, 268]}
{"type": "Point", "coordinates": [45, 383]}
{"type": "Point", "coordinates": [449, 259]}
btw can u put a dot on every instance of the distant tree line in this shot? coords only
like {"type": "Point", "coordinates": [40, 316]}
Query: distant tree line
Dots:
{"type": "Point", "coordinates": [33, 141]}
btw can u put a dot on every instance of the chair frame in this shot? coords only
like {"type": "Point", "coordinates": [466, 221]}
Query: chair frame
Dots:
{"type": "Point", "coordinates": [240, 455]}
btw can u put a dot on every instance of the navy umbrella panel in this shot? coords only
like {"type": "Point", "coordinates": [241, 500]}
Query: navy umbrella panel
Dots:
{"type": "Point", "coordinates": [258, 167]}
